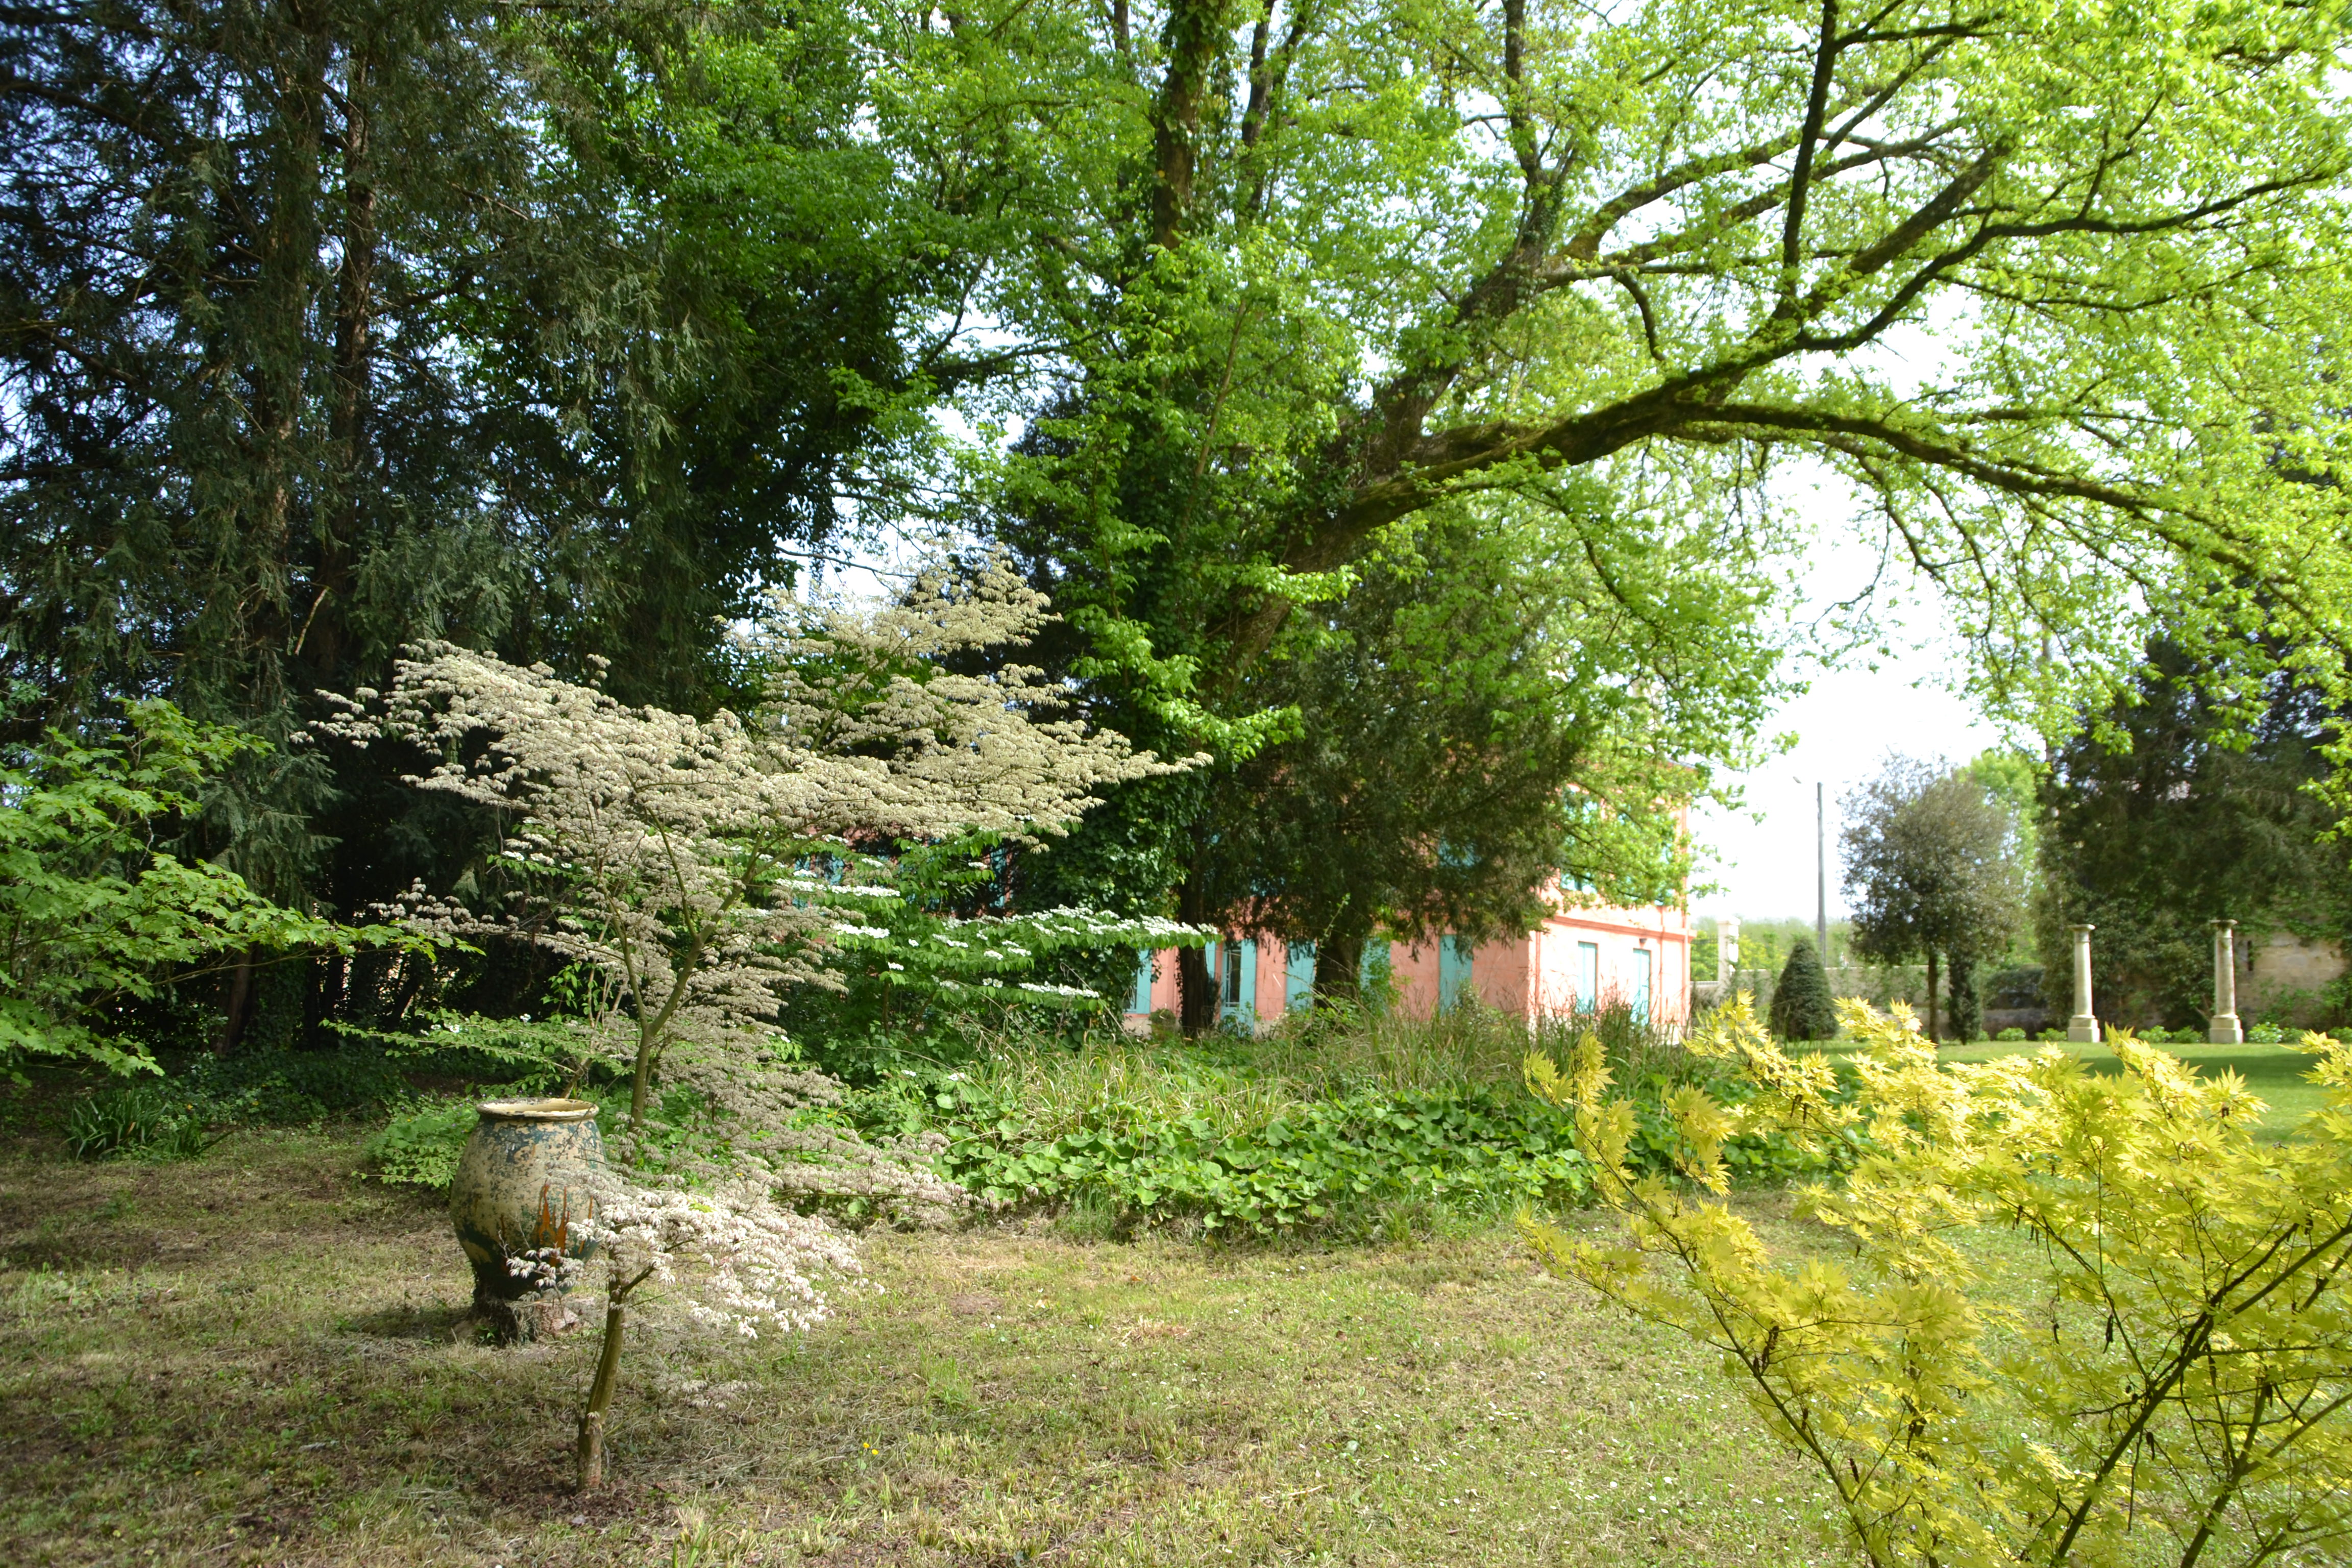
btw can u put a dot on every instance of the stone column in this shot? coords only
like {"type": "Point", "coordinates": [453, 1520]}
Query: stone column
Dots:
{"type": "Point", "coordinates": [1727, 947]}
{"type": "Point", "coordinates": [2225, 1029]}
{"type": "Point", "coordinates": [2083, 1028]}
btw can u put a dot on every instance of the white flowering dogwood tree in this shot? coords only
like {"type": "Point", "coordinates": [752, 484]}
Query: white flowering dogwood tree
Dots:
{"type": "Point", "coordinates": [702, 867]}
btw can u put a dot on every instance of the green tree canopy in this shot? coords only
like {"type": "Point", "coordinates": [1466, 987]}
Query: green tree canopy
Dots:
{"type": "Point", "coordinates": [1280, 274]}
{"type": "Point", "coordinates": [327, 328]}
{"type": "Point", "coordinates": [1488, 709]}
{"type": "Point", "coordinates": [2053, 293]}
{"type": "Point", "coordinates": [1932, 869]}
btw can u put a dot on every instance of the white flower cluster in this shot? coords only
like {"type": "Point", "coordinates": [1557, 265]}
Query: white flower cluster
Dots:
{"type": "Point", "coordinates": [938, 753]}
{"type": "Point", "coordinates": [898, 1178]}
{"type": "Point", "coordinates": [735, 1259]}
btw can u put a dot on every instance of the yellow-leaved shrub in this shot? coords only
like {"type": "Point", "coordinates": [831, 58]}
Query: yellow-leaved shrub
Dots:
{"type": "Point", "coordinates": [2055, 1315]}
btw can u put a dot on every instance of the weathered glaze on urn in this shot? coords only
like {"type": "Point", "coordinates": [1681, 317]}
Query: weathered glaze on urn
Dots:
{"type": "Point", "coordinates": [522, 1183]}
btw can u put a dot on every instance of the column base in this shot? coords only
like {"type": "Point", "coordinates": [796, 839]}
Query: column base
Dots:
{"type": "Point", "coordinates": [2083, 1029]}
{"type": "Point", "coordinates": [2225, 1030]}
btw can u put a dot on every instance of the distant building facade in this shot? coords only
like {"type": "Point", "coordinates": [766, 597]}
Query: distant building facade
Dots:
{"type": "Point", "coordinates": [1576, 959]}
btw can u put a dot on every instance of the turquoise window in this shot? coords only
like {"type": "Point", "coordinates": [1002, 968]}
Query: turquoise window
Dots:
{"type": "Point", "coordinates": [1452, 970]}
{"type": "Point", "coordinates": [1643, 958]}
{"type": "Point", "coordinates": [1241, 980]}
{"type": "Point", "coordinates": [1587, 976]}
{"type": "Point", "coordinates": [1141, 1001]}
{"type": "Point", "coordinates": [1298, 977]}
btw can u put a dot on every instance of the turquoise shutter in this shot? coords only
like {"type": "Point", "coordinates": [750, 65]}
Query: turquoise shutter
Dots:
{"type": "Point", "coordinates": [1298, 979]}
{"type": "Point", "coordinates": [1452, 970]}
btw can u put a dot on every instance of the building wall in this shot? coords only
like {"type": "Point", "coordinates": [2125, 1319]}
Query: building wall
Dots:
{"type": "Point", "coordinates": [1523, 976]}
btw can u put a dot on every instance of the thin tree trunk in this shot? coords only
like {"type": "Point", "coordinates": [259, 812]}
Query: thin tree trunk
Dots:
{"type": "Point", "coordinates": [1197, 1002]}
{"type": "Point", "coordinates": [289, 255]}
{"type": "Point", "coordinates": [353, 373]}
{"type": "Point", "coordinates": [1932, 1036]}
{"type": "Point", "coordinates": [238, 1010]}
{"type": "Point", "coordinates": [600, 1397]}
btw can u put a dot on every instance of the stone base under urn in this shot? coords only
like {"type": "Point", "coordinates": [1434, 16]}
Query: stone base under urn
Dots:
{"type": "Point", "coordinates": [522, 1319]}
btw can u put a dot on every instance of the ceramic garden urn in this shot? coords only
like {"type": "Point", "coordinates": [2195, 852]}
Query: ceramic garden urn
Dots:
{"type": "Point", "coordinates": [522, 1185]}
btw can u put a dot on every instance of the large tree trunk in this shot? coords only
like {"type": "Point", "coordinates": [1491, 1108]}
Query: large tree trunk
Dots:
{"type": "Point", "coordinates": [1339, 962]}
{"type": "Point", "coordinates": [1195, 39]}
{"type": "Point", "coordinates": [1197, 1000]}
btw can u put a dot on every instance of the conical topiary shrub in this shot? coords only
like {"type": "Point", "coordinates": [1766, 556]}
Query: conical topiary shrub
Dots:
{"type": "Point", "coordinates": [1801, 1004]}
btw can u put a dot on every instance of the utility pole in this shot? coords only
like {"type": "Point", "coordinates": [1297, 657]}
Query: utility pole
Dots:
{"type": "Point", "coordinates": [1822, 871]}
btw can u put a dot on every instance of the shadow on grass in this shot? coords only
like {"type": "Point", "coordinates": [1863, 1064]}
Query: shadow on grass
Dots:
{"type": "Point", "coordinates": [442, 1325]}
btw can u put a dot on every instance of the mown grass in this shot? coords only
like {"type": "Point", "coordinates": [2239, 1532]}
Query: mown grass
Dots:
{"type": "Point", "coordinates": [2274, 1074]}
{"type": "Point", "coordinates": [262, 1357]}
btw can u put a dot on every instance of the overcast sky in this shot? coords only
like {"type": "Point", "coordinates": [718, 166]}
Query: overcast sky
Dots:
{"type": "Point", "coordinates": [1844, 725]}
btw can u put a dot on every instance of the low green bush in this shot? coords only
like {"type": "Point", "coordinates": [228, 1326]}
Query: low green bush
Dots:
{"type": "Point", "coordinates": [2012, 1034]}
{"type": "Point", "coordinates": [2265, 1033]}
{"type": "Point", "coordinates": [419, 1146]}
{"type": "Point", "coordinates": [138, 1120]}
{"type": "Point", "coordinates": [1339, 1163]}
{"type": "Point", "coordinates": [1353, 1123]}
{"type": "Point", "coordinates": [293, 1088]}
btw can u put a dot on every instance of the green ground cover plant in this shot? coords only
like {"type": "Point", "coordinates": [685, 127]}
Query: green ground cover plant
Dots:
{"type": "Point", "coordinates": [1342, 1119]}
{"type": "Point", "coordinates": [139, 1119]}
{"type": "Point", "coordinates": [1349, 1122]}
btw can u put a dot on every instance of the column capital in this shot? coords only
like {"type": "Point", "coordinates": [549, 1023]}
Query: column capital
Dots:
{"type": "Point", "coordinates": [2083, 927]}
{"type": "Point", "coordinates": [2222, 925]}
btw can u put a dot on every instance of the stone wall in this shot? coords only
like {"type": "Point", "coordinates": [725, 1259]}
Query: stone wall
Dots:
{"type": "Point", "coordinates": [2290, 976]}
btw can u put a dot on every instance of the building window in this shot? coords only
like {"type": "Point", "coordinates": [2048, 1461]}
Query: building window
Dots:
{"type": "Point", "coordinates": [1240, 988]}
{"type": "Point", "coordinates": [1643, 958]}
{"type": "Point", "coordinates": [1141, 1001]}
{"type": "Point", "coordinates": [1452, 972]}
{"type": "Point", "coordinates": [1587, 976]}
{"type": "Point", "coordinates": [1298, 978]}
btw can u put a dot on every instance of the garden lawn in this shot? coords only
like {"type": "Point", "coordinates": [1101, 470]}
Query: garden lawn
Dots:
{"type": "Point", "coordinates": [262, 1357]}
{"type": "Point", "coordinates": [2274, 1074]}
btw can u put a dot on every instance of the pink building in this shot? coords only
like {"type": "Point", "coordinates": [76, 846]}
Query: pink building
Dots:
{"type": "Point", "coordinates": [1578, 957]}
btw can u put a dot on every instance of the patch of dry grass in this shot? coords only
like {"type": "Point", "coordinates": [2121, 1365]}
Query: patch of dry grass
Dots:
{"type": "Point", "coordinates": [262, 1357]}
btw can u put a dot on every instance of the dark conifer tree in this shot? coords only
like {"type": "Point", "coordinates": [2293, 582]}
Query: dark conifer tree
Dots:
{"type": "Point", "coordinates": [2178, 809]}
{"type": "Point", "coordinates": [330, 326]}
{"type": "Point", "coordinates": [1803, 1008]}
